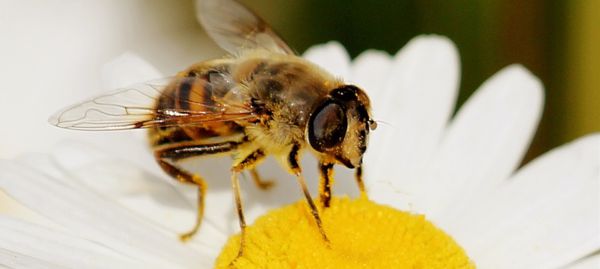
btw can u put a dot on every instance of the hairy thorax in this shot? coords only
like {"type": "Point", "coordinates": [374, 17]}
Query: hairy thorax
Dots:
{"type": "Point", "coordinates": [285, 90]}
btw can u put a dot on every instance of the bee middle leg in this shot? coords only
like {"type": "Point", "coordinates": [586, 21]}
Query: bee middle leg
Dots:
{"type": "Point", "coordinates": [167, 158]}
{"type": "Point", "coordinates": [293, 163]}
{"type": "Point", "coordinates": [249, 162]}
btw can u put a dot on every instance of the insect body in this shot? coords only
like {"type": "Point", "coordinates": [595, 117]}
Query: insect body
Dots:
{"type": "Point", "coordinates": [264, 101]}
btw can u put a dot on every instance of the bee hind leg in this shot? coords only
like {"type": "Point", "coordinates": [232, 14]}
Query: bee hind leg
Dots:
{"type": "Point", "coordinates": [167, 157]}
{"type": "Point", "coordinates": [186, 177]}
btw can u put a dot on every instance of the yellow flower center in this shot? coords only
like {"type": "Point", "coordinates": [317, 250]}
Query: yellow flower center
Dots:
{"type": "Point", "coordinates": [362, 234]}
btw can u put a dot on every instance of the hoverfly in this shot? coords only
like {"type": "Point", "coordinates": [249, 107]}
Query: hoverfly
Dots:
{"type": "Point", "coordinates": [264, 100]}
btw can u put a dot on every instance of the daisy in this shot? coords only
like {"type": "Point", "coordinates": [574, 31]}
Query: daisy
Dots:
{"type": "Point", "coordinates": [97, 210]}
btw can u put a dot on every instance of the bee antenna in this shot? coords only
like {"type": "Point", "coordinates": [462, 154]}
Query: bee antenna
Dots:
{"type": "Point", "coordinates": [383, 122]}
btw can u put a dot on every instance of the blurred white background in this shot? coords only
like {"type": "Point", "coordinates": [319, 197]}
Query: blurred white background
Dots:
{"type": "Point", "coordinates": [52, 53]}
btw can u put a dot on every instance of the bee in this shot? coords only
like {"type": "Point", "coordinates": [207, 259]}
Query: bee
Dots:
{"type": "Point", "coordinates": [262, 100]}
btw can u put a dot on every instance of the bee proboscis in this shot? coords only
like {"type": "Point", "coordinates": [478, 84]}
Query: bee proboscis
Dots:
{"type": "Point", "coordinates": [263, 101]}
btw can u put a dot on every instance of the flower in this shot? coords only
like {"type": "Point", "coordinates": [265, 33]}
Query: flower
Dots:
{"type": "Point", "coordinates": [361, 234]}
{"type": "Point", "coordinates": [97, 210]}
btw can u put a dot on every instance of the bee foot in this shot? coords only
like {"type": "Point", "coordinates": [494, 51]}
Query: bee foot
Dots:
{"type": "Point", "coordinates": [265, 185]}
{"type": "Point", "coordinates": [186, 237]}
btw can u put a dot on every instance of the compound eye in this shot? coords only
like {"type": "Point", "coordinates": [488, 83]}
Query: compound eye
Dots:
{"type": "Point", "coordinates": [327, 127]}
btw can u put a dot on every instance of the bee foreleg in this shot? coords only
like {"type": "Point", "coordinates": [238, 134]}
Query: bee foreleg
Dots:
{"type": "Point", "coordinates": [166, 158]}
{"type": "Point", "coordinates": [360, 182]}
{"type": "Point", "coordinates": [326, 181]}
{"type": "Point", "coordinates": [293, 163]}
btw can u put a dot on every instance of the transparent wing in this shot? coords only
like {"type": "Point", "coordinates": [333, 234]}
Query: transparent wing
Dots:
{"type": "Point", "coordinates": [168, 102]}
{"type": "Point", "coordinates": [234, 27]}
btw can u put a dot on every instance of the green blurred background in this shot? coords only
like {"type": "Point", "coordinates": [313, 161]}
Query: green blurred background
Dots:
{"type": "Point", "coordinates": [559, 41]}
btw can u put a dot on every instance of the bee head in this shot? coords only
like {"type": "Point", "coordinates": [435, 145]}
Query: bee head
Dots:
{"type": "Point", "coordinates": [339, 127]}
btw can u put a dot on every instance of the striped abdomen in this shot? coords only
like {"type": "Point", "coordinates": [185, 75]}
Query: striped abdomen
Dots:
{"type": "Point", "coordinates": [196, 90]}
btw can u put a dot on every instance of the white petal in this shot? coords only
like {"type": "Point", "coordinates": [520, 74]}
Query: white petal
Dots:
{"type": "Point", "coordinates": [91, 216]}
{"type": "Point", "coordinates": [25, 245]}
{"type": "Point", "coordinates": [415, 107]}
{"type": "Point", "coordinates": [10, 259]}
{"type": "Point", "coordinates": [9, 207]}
{"type": "Point", "coordinates": [485, 142]}
{"type": "Point", "coordinates": [332, 57]}
{"type": "Point", "coordinates": [592, 262]}
{"type": "Point", "coordinates": [370, 71]}
{"type": "Point", "coordinates": [127, 69]}
{"type": "Point", "coordinates": [546, 216]}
